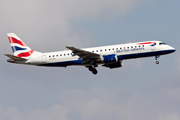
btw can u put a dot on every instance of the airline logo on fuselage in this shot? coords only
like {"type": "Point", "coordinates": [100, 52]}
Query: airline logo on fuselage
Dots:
{"type": "Point", "coordinates": [132, 49]}
{"type": "Point", "coordinates": [137, 48]}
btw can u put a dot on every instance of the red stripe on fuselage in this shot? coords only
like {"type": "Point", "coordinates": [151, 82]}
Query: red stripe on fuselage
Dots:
{"type": "Point", "coordinates": [146, 43]}
{"type": "Point", "coordinates": [14, 40]}
{"type": "Point", "coordinates": [25, 54]}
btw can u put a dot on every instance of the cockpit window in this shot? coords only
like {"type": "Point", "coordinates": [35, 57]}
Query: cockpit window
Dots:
{"type": "Point", "coordinates": [162, 43]}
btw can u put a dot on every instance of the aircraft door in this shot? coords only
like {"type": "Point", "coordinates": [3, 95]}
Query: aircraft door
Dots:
{"type": "Point", "coordinates": [44, 58]}
{"type": "Point", "coordinates": [152, 48]}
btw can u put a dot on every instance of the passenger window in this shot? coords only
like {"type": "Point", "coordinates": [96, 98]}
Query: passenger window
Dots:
{"type": "Point", "coordinates": [143, 46]}
{"type": "Point", "coordinates": [49, 56]}
{"type": "Point", "coordinates": [53, 55]}
{"type": "Point", "coordinates": [57, 55]}
{"type": "Point", "coordinates": [101, 50]}
{"type": "Point", "coordinates": [128, 47]}
{"type": "Point", "coordinates": [109, 49]}
{"type": "Point", "coordinates": [124, 47]}
{"type": "Point", "coordinates": [113, 49]}
{"type": "Point", "coordinates": [131, 46]}
{"type": "Point", "coordinates": [120, 48]}
{"type": "Point", "coordinates": [116, 48]}
{"type": "Point", "coordinates": [135, 46]}
{"type": "Point", "coordinates": [92, 51]}
{"type": "Point", "coordinates": [64, 54]}
{"type": "Point", "coordinates": [68, 53]}
{"type": "Point", "coordinates": [105, 49]}
{"type": "Point", "coordinates": [96, 50]}
{"type": "Point", "coordinates": [60, 54]}
{"type": "Point", "coordinates": [139, 46]}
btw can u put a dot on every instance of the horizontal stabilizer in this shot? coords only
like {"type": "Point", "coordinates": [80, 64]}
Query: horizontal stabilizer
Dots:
{"type": "Point", "coordinates": [15, 57]}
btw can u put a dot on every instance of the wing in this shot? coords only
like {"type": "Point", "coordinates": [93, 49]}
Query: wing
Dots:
{"type": "Point", "coordinates": [83, 54]}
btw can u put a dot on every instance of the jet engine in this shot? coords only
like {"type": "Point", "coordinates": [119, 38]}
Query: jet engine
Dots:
{"type": "Point", "coordinates": [114, 65]}
{"type": "Point", "coordinates": [109, 58]}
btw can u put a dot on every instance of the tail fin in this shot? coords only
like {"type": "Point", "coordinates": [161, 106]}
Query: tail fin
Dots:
{"type": "Point", "coordinates": [19, 48]}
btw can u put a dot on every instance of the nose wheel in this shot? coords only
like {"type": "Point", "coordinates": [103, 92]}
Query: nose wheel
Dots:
{"type": "Point", "coordinates": [156, 57]}
{"type": "Point", "coordinates": [157, 62]}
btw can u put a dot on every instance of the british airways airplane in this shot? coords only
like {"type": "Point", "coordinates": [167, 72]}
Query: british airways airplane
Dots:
{"type": "Point", "coordinates": [107, 56]}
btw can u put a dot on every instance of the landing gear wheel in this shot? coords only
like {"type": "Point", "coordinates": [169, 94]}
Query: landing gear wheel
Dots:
{"type": "Point", "coordinates": [157, 62]}
{"type": "Point", "coordinates": [94, 71]}
{"type": "Point", "coordinates": [91, 68]}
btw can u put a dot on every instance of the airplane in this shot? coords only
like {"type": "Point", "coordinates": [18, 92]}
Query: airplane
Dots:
{"type": "Point", "coordinates": [107, 56]}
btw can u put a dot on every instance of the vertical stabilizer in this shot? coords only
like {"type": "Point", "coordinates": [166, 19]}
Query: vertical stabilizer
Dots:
{"type": "Point", "coordinates": [19, 48]}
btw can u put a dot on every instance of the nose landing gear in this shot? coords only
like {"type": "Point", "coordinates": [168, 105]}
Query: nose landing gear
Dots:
{"type": "Point", "coordinates": [156, 57]}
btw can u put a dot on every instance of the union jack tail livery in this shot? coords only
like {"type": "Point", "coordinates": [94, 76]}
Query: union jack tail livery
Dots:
{"type": "Point", "coordinates": [19, 48]}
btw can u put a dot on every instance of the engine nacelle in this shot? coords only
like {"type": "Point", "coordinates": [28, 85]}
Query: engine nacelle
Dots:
{"type": "Point", "coordinates": [114, 65]}
{"type": "Point", "coordinates": [109, 58]}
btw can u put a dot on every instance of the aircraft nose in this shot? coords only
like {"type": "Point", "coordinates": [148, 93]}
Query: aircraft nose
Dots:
{"type": "Point", "coordinates": [172, 49]}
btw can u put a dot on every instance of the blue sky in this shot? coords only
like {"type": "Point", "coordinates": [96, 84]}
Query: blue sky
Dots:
{"type": "Point", "coordinates": [139, 90]}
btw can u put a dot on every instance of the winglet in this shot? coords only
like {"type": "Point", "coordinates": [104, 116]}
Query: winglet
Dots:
{"type": "Point", "coordinates": [64, 42]}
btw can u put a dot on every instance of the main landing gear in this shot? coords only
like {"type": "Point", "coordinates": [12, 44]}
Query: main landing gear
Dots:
{"type": "Point", "coordinates": [92, 67]}
{"type": "Point", "coordinates": [93, 70]}
{"type": "Point", "coordinates": [156, 57]}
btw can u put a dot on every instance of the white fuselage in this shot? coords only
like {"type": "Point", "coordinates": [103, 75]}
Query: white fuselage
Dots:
{"type": "Point", "coordinates": [122, 51]}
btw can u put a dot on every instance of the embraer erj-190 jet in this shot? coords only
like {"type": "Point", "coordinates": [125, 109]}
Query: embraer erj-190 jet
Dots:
{"type": "Point", "coordinates": [108, 56]}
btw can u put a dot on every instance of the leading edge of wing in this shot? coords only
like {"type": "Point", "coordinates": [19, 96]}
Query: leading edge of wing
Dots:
{"type": "Point", "coordinates": [82, 53]}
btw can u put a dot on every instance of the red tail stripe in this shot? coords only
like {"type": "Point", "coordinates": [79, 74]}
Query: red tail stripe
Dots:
{"type": "Point", "coordinates": [14, 40]}
{"type": "Point", "coordinates": [146, 43]}
{"type": "Point", "coordinates": [25, 54]}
